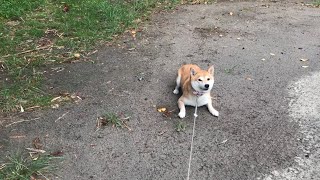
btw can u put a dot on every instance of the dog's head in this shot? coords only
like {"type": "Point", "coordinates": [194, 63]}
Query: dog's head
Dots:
{"type": "Point", "coordinates": [202, 81]}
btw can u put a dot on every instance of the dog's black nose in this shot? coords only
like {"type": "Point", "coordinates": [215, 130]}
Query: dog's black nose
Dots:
{"type": "Point", "coordinates": [206, 85]}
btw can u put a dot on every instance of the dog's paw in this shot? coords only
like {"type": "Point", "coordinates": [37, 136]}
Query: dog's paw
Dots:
{"type": "Point", "coordinates": [176, 91]}
{"type": "Point", "coordinates": [182, 114]}
{"type": "Point", "coordinates": [212, 110]}
{"type": "Point", "coordinates": [215, 113]}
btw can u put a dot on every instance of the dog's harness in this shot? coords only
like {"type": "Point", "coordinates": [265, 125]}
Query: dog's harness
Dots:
{"type": "Point", "coordinates": [198, 93]}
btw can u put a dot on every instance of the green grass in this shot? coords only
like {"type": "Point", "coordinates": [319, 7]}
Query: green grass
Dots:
{"type": "Point", "coordinates": [36, 33]}
{"type": "Point", "coordinates": [181, 126]}
{"type": "Point", "coordinates": [316, 3]}
{"type": "Point", "coordinates": [230, 70]}
{"type": "Point", "coordinates": [19, 167]}
{"type": "Point", "coordinates": [114, 120]}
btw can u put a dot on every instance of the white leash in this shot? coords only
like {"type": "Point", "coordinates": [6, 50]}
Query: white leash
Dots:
{"type": "Point", "coordinates": [191, 148]}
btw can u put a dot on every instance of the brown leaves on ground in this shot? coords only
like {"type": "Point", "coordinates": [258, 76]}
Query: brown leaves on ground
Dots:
{"type": "Point", "coordinates": [66, 8]}
{"type": "Point", "coordinates": [165, 111]}
{"type": "Point", "coordinates": [37, 143]}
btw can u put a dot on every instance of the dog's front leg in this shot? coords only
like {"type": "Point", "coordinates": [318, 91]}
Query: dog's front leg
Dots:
{"type": "Point", "coordinates": [212, 110]}
{"type": "Point", "coordinates": [182, 108]}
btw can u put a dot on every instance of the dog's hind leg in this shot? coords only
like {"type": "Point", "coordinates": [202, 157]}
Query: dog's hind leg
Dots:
{"type": "Point", "coordinates": [178, 80]}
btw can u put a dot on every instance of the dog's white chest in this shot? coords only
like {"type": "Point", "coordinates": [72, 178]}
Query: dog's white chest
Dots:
{"type": "Point", "coordinates": [200, 100]}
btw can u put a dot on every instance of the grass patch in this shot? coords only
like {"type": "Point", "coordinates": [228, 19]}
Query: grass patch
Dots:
{"type": "Point", "coordinates": [36, 33]}
{"type": "Point", "coordinates": [181, 126]}
{"type": "Point", "coordinates": [115, 120]}
{"type": "Point", "coordinates": [316, 3]}
{"type": "Point", "coordinates": [230, 70]}
{"type": "Point", "coordinates": [19, 167]}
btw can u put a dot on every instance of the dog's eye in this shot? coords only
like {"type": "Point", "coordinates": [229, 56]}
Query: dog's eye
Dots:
{"type": "Point", "coordinates": [199, 79]}
{"type": "Point", "coordinates": [208, 79]}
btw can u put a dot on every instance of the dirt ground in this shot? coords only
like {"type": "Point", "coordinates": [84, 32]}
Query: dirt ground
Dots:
{"type": "Point", "coordinates": [268, 99]}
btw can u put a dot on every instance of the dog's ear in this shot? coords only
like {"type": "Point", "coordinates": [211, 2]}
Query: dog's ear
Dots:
{"type": "Point", "coordinates": [192, 72]}
{"type": "Point", "coordinates": [211, 70]}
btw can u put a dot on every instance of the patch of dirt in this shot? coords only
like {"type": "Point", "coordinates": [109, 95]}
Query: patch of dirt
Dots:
{"type": "Point", "coordinates": [210, 31]}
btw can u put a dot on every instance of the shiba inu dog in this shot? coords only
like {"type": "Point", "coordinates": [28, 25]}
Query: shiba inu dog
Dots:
{"type": "Point", "coordinates": [196, 85]}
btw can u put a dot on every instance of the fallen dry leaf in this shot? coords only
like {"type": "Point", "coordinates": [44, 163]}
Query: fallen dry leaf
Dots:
{"type": "Point", "coordinates": [76, 55]}
{"type": "Point", "coordinates": [65, 8]}
{"type": "Point", "coordinates": [162, 109]}
{"type": "Point", "coordinates": [21, 109]}
{"type": "Point", "coordinates": [37, 143]}
{"type": "Point", "coordinates": [167, 113]}
{"type": "Point", "coordinates": [55, 106]}
{"type": "Point", "coordinates": [133, 33]}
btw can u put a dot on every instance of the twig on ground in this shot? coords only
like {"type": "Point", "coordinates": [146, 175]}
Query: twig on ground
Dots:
{"type": "Point", "coordinates": [17, 137]}
{"type": "Point", "coordinates": [36, 150]}
{"type": "Point", "coordinates": [126, 118]}
{"type": "Point", "coordinates": [99, 124]}
{"type": "Point", "coordinates": [125, 125]}
{"type": "Point", "coordinates": [61, 116]}
{"type": "Point", "coordinates": [42, 175]}
{"type": "Point", "coordinates": [33, 107]}
{"type": "Point", "coordinates": [28, 51]}
{"type": "Point", "coordinates": [24, 120]}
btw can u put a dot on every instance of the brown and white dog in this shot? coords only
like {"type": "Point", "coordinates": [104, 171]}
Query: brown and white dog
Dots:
{"type": "Point", "coordinates": [196, 85]}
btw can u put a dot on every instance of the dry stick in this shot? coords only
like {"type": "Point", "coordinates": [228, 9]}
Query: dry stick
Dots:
{"type": "Point", "coordinates": [42, 175]}
{"type": "Point", "coordinates": [22, 121]}
{"type": "Point", "coordinates": [28, 51]}
{"type": "Point", "coordinates": [126, 126]}
{"type": "Point", "coordinates": [36, 150]}
{"type": "Point", "coordinates": [98, 124]}
{"type": "Point", "coordinates": [17, 137]}
{"type": "Point", "coordinates": [61, 116]}
{"type": "Point", "coordinates": [124, 123]}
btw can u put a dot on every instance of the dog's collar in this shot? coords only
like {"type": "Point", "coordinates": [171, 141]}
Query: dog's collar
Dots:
{"type": "Point", "coordinates": [198, 93]}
